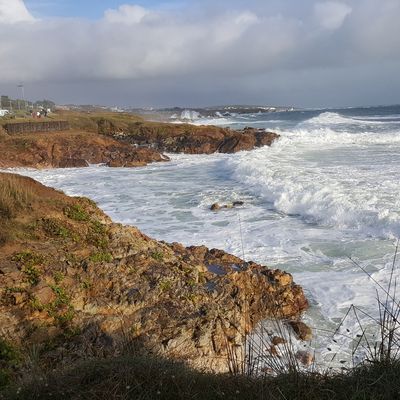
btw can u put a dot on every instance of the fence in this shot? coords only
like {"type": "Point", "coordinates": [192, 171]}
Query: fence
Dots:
{"type": "Point", "coordinates": [26, 127]}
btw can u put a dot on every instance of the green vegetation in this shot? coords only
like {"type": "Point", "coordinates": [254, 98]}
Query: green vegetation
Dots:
{"type": "Point", "coordinates": [165, 285]}
{"type": "Point", "coordinates": [77, 213]}
{"type": "Point", "coordinates": [9, 358]}
{"type": "Point", "coordinates": [55, 227]}
{"type": "Point", "coordinates": [86, 284]}
{"type": "Point", "coordinates": [158, 256]}
{"type": "Point", "coordinates": [97, 235]}
{"type": "Point", "coordinates": [58, 277]}
{"type": "Point", "coordinates": [101, 257]}
{"type": "Point", "coordinates": [28, 262]}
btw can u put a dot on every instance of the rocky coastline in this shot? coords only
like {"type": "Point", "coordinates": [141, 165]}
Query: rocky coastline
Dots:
{"type": "Point", "coordinates": [189, 139]}
{"type": "Point", "coordinates": [75, 285]}
{"type": "Point", "coordinates": [120, 141]}
{"type": "Point", "coordinates": [71, 149]}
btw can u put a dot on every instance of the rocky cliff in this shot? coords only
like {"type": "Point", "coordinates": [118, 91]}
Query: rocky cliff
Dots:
{"type": "Point", "coordinates": [71, 149]}
{"type": "Point", "coordinates": [75, 284]}
{"type": "Point", "coordinates": [185, 138]}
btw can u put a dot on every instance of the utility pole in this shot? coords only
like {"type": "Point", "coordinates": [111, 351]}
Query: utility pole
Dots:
{"type": "Point", "coordinates": [21, 86]}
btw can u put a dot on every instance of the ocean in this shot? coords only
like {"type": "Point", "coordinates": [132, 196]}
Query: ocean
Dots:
{"type": "Point", "coordinates": [323, 203]}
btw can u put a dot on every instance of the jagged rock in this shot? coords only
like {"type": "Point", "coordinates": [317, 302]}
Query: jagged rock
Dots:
{"type": "Point", "coordinates": [73, 163]}
{"type": "Point", "coordinates": [217, 206]}
{"type": "Point", "coordinates": [114, 286]}
{"type": "Point", "coordinates": [302, 331]}
{"type": "Point", "coordinates": [190, 139]}
{"type": "Point", "coordinates": [71, 150]}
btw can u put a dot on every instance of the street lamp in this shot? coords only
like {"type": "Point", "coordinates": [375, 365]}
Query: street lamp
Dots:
{"type": "Point", "coordinates": [21, 86]}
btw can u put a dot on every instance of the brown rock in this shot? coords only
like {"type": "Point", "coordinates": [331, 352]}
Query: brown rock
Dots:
{"type": "Point", "coordinates": [44, 294]}
{"type": "Point", "coordinates": [164, 296]}
{"type": "Point", "coordinates": [302, 331]}
{"type": "Point", "coordinates": [19, 298]}
{"type": "Point", "coordinates": [72, 150]}
{"type": "Point", "coordinates": [277, 340]}
{"type": "Point", "coordinates": [305, 357]}
{"type": "Point", "coordinates": [190, 139]}
{"type": "Point", "coordinates": [73, 163]}
{"type": "Point", "coordinates": [215, 207]}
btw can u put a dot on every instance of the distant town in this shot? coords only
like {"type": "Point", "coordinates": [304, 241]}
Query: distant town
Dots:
{"type": "Point", "coordinates": [10, 108]}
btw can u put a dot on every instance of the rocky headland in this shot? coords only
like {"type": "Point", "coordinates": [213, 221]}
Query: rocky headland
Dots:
{"type": "Point", "coordinates": [189, 139]}
{"type": "Point", "coordinates": [73, 285]}
{"type": "Point", "coordinates": [71, 149]}
{"type": "Point", "coordinates": [117, 140]}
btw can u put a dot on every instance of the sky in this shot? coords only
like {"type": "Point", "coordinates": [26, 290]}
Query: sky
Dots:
{"type": "Point", "coordinates": [303, 53]}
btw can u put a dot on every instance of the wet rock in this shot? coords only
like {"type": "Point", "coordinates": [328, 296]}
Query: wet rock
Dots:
{"type": "Point", "coordinates": [305, 357]}
{"type": "Point", "coordinates": [73, 163]}
{"type": "Point", "coordinates": [302, 331]}
{"type": "Point", "coordinates": [217, 206]}
{"type": "Point", "coordinates": [190, 139]}
{"type": "Point", "coordinates": [277, 340]}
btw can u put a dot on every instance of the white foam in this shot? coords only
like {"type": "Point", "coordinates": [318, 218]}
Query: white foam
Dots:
{"type": "Point", "coordinates": [190, 115]}
{"type": "Point", "coordinates": [325, 191]}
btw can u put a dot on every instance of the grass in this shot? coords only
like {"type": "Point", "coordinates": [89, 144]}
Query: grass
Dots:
{"type": "Point", "coordinates": [77, 213]}
{"type": "Point", "coordinates": [29, 262]}
{"type": "Point", "coordinates": [14, 194]}
{"type": "Point", "coordinates": [146, 378]}
{"type": "Point", "coordinates": [101, 257]}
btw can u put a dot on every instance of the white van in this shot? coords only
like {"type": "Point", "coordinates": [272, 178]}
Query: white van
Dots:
{"type": "Point", "coordinates": [4, 112]}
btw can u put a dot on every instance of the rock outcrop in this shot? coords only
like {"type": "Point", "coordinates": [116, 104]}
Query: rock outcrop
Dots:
{"type": "Point", "coordinates": [217, 206]}
{"type": "Point", "coordinates": [71, 149]}
{"type": "Point", "coordinates": [74, 284]}
{"type": "Point", "coordinates": [190, 139]}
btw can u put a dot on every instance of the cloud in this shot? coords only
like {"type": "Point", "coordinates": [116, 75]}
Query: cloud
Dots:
{"type": "Point", "coordinates": [126, 14]}
{"type": "Point", "coordinates": [12, 11]}
{"type": "Point", "coordinates": [237, 51]}
{"type": "Point", "coordinates": [331, 14]}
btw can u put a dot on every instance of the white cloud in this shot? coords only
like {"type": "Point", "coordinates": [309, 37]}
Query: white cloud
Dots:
{"type": "Point", "coordinates": [331, 14]}
{"type": "Point", "coordinates": [12, 11]}
{"type": "Point", "coordinates": [127, 14]}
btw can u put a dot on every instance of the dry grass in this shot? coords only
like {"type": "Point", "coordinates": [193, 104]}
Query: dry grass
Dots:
{"type": "Point", "coordinates": [146, 378]}
{"type": "Point", "coordinates": [16, 193]}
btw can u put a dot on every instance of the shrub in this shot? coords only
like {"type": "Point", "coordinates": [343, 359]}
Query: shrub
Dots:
{"type": "Point", "coordinates": [77, 213]}
{"type": "Point", "coordinates": [100, 257]}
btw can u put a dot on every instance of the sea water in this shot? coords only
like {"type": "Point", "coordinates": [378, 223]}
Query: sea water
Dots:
{"type": "Point", "coordinates": [323, 203]}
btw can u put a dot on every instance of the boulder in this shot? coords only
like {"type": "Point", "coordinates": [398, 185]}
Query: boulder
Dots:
{"type": "Point", "coordinates": [43, 294]}
{"type": "Point", "coordinates": [217, 206]}
{"type": "Point", "coordinates": [305, 357]}
{"type": "Point", "coordinates": [302, 331]}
